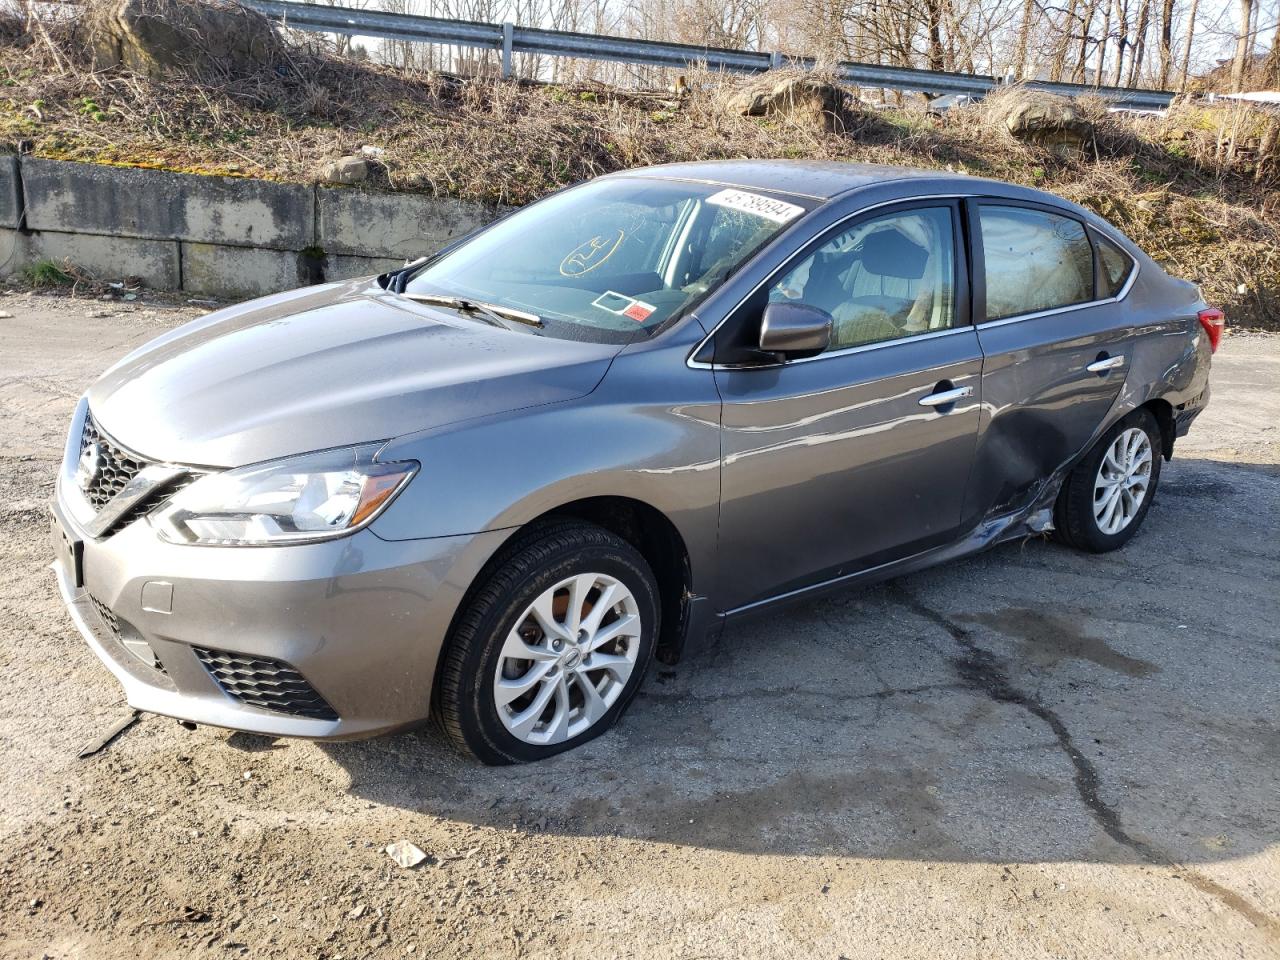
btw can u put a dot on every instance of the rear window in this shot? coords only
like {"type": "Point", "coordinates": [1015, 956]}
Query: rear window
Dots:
{"type": "Point", "coordinates": [1116, 267]}
{"type": "Point", "coordinates": [1035, 261]}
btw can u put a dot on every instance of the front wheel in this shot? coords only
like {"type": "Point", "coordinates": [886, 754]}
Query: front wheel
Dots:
{"type": "Point", "coordinates": [1107, 495]}
{"type": "Point", "coordinates": [551, 648]}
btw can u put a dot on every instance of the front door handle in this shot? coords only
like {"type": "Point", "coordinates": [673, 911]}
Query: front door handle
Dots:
{"type": "Point", "coordinates": [945, 398]}
{"type": "Point", "coordinates": [1103, 364]}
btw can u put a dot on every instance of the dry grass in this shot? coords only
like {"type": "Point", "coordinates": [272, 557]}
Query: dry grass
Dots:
{"type": "Point", "coordinates": [1208, 211]}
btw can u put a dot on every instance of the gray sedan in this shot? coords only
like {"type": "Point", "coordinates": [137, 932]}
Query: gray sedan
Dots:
{"type": "Point", "coordinates": [492, 486]}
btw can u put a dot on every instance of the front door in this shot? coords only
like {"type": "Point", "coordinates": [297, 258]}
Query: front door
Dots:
{"type": "Point", "coordinates": [859, 456]}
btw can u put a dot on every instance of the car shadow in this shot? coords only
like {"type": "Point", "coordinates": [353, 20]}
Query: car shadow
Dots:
{"type": "Point", "coordinates": [1027, 704]}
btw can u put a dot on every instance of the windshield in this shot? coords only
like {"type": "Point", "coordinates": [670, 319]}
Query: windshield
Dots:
{"type": "Point", "coordinates": [608, 261]}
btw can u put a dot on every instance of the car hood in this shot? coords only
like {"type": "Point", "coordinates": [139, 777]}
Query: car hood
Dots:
{"type": "Point", "coordinates": [325, 367]}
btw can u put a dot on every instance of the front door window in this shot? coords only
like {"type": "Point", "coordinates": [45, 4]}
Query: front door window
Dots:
{"type": "Point", "coordinates": [889, 277]}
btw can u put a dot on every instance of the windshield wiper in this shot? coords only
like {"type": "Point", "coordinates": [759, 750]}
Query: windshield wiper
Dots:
{"type": "Point", "coordinates": [494, 313]}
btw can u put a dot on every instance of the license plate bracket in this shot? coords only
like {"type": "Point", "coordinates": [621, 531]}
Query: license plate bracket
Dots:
{"type": "Point", "coordinates": [68, 549]}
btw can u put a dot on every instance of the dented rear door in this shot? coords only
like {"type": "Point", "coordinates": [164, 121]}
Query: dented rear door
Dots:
{"type": "Point", "coordinates": [1050, 375]}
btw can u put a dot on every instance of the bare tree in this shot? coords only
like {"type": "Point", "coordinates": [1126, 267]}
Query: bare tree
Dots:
{"type": "Point", "coordinates": [1191, 35]}
{"type": "Point", "coordinates": [1166, 42]}
{"type": "Point", "coordinates": [1139, 43]}
{"type": "Point", "coordinates": [1244, 46]}
{"type": "Point", "coordinates": [1122, 37]}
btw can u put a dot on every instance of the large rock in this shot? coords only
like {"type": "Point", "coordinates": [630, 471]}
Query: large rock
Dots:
{"type": "Point", "coordinates": [346, 170]}
{"type": "Point", "coordinates": [1049, 121]}
{"type": "Point", "coordinates": [201, 37]}
{"type": "Point", "coordinates": [806, 98]}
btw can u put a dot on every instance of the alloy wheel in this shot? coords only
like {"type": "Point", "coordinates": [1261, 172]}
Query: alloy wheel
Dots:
{"type": "Point", "coordinates": [1124, 477]}
{"type": "Point", "coordinates": [567, 659]}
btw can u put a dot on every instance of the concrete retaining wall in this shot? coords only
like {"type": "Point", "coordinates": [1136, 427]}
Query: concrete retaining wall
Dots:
{"type": "Point", "coordinates": [10, 202]}
{"type": "Point", "coordinates": [221, 236]}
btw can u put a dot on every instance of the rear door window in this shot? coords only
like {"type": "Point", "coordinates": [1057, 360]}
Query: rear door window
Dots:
{"type": "Point", "coordinates": [1034, 260]}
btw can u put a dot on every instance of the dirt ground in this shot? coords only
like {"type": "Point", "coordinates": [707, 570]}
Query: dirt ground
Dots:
{"type": "Point", "coordinates": [1031, 753]}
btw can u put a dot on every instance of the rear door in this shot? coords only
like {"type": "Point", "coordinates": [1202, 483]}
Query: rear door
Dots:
{"type": "Point", "coordinates": [846, 460]}
{"type": "Point", "coordinates": [1057, 344]}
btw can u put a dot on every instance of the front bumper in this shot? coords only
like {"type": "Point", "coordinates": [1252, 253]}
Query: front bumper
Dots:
{"type": "Point", "coordinates": [361, 619]}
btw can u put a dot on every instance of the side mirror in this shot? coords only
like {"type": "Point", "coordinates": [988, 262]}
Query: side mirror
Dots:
{"type": "Point", "coordinates": [792, 331]}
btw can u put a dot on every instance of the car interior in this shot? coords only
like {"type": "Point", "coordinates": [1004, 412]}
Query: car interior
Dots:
{"type": "Point", "coordinates": [884, 279]}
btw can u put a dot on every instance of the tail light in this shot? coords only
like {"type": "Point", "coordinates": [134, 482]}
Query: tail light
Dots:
{"type": "Point", "coordinates": [1214, 322]}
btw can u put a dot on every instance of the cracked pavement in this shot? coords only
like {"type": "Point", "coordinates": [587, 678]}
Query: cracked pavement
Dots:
{"type": "Point", "coordinates": [1029, 753]}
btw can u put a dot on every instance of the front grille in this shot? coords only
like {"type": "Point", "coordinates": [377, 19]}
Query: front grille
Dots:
{"type": "Point", "coordinates": [149, 503]}
{"type": "Point", "coordinates": [266, 683]}
{"type": "Point", "coordinates": [118, 466]}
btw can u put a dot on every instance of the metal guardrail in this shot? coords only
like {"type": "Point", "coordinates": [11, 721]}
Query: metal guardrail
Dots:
{"type": "Point", "coordinates": [511, 39]}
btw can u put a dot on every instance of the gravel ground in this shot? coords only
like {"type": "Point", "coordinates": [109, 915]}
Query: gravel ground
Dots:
{"type": "Point", "coordinates": [1030, 753]}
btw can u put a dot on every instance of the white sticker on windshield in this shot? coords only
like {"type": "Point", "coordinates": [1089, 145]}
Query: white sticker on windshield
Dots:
{"type": "Point", "coordinates": [779, 211]}
{"type": "Point", "coordinates": [624, 306]}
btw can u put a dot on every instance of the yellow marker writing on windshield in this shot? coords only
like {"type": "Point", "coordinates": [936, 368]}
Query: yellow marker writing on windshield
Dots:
{"type": "Point", "coordinates": [587, 256]}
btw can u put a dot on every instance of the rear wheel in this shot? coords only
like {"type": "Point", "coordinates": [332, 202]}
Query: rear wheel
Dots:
{"type": "Point", "coordinates": [552, 648]}
{"type": "Point", "coordinates": [1106, 497]}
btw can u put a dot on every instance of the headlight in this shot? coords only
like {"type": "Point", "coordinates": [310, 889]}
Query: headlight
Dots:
{"type": "Point", "coordinates": [313, 497]}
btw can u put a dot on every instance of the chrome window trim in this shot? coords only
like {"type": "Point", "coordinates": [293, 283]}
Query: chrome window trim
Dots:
{"type": "Point", "coordinates": [693, 364]}
{"type": "Point", "coordinates": [984, 325]}
{"type": "Point", "coordinates": [846, 351]}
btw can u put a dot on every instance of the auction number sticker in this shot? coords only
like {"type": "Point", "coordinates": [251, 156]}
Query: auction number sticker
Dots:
{"type": "Point", "coordinates": [779, 211]}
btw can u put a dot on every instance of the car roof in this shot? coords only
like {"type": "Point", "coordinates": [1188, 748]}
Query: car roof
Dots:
{"type": "Point", "coordinates": [814, 179]}
{"type": "Point", "coordinates": [826, 180]}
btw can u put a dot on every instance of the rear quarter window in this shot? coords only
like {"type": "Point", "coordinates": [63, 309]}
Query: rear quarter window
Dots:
{"type": "Point", "coordinates": [1116, 267]}
{"type": "Point", "coordinates": [1034, 260]}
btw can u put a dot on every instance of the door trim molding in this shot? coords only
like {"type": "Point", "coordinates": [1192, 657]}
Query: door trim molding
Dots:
{"type": "Point", "coordinates": [861, 348]}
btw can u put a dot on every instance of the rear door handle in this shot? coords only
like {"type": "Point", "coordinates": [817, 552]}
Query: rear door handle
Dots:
{"type": "Point", "coordinates": [945, 397]}
{"type": "Point", "coordinates": [1103, 364]}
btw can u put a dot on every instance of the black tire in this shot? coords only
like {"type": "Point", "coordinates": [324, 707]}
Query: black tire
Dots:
{"type": "Point", "coordinates": [1074, 520]}
{"type": "Point", "coordinates": [534, 562]}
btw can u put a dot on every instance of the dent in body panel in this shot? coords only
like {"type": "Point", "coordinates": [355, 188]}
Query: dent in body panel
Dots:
{"type": "Point", "coordinates": [1043, 412]}
{"type": "Point", "coordinates": [1168, 361]}
{"type": "Point", "coordinates": [1032, 451]}
{"type": "Point", "coordinates": [1041, 407]}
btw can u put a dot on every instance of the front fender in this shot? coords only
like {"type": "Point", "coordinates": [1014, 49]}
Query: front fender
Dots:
{"type": "Point", "coordinates": [650, 432]}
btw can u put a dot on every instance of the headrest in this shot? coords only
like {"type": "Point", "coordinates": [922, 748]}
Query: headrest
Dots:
{"type": "Point", "coordinates": [889, 252]}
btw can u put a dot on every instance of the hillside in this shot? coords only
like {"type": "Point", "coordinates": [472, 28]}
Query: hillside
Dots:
{"type": "Point", "coordinates": [1199, 189]}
